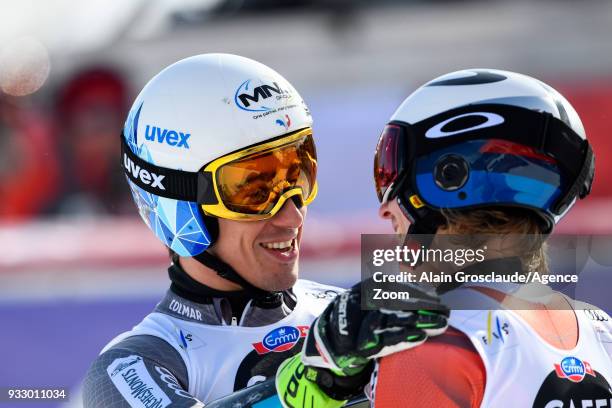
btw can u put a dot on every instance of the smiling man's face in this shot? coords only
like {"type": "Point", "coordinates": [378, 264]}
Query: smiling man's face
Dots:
{"type": "Point", "coordinates": [265, 253]}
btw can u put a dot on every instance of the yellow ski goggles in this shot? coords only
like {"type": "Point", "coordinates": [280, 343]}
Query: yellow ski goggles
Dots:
{"type": "Point", "coordinates": [254, 183]}
{"type": "Point", "coordinates": [251, 184]}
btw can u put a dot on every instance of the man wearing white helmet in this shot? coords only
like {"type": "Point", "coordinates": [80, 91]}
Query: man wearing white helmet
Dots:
{"type": "Point", "coordinates": [484, 152]}
{"type": "Point", "coordinates": [219, 154]}
{"type": "Point", "coordinates": [494, 152]}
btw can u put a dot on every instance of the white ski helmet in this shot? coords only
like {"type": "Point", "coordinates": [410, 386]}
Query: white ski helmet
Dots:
{"type": "Point", "coordinates": [193, 112]}
{"type": "Point", "coordinates": [481, 138]}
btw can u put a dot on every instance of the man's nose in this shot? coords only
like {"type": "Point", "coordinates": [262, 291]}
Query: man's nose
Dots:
{"type": "Point", "coordinates": [384, 212]}
{"type": "Point", "coordinates": [289, 216]}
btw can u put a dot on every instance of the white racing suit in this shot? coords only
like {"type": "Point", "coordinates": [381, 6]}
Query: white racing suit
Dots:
{"type": "Point", "coordinates": [185, 353]}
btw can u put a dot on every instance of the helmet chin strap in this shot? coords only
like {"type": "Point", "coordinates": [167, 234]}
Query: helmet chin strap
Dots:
{"type": "Point", "coordinates": [225, 271]}
{"type": "Point", "coordinates": [427, 225]}
{"type": "Point", "coordinates": [424, 224]}
{"type": "Point", "coordinates": [222, 268]}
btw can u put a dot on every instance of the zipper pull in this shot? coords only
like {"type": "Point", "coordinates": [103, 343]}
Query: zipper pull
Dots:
{"type": "Point", "coordinates": [234, 321]}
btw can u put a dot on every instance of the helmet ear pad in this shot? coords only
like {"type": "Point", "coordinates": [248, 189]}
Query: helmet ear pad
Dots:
{"type": "Point", "coordinates": [178, 224]}
{"type": "Point", "coordinates": [211, 224]}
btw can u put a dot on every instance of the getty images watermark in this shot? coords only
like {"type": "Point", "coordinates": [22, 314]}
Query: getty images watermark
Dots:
{"type": "Point", "coordinates": [530, 267]}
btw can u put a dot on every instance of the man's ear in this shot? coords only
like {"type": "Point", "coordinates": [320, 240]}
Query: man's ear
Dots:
{"type": "Point", "coordinates": [445, 229]}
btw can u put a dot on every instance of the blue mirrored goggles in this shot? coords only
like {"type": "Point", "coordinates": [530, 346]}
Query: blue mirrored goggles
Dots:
{"type": "Point", "coordinates": [515, 132]}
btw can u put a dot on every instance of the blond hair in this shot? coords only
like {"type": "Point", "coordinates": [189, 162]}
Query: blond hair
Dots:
{"type": "Point", "coordinates": [505, 221]}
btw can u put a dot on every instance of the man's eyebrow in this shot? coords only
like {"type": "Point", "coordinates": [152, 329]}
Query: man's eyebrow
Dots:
{"type": "Point", "coordinates": [266, 176]}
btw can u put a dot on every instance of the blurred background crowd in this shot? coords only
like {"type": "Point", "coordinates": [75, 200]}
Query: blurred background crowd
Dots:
{"type": "Point", "coordinates": [70, 71]}
{"type": "Point", "coordinates": [59, 156]}
{"type": "Point", "coordinates": [75, 254]}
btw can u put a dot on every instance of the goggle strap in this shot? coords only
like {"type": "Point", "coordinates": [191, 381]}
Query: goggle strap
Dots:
{"type": "Point", "coordinates": [520, 125]}
{"type": "Point", "coordinates": [164, 182]}
{"type": "Point", "coordinates": [575, 156]}
{"type": "Point", "coordinates": [581, 187]}
{"type": "Point", "coordinates": [206, 188]}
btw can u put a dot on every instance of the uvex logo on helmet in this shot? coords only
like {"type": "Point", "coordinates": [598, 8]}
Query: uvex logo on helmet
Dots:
{"type": "Point", "coordinates": [253, 99]}
{"type": "Point", "coordinates": [168, 136]}
{"type": "Point", "coordinates": [137, 173]}
{"type": "Point", "coordinates": [281, 339]}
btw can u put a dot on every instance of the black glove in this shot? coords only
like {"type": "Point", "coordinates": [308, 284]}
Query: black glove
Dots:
{"type": "Point", "coordinates": [345, 337]}
{"type": "Point", "coordinates": [336, 361]}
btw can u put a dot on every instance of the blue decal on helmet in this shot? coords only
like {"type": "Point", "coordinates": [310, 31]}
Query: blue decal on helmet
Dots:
{"type": "Point", "coordinates": [130, 129]}
{"type": "Point", "coordinates": [176, 223]}
{"type": "Point", "coordinates": [493, 178]}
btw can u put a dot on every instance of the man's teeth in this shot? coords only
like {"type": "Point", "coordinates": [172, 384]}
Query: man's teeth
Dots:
{"type": "Point", "coordinates": [278, 245]}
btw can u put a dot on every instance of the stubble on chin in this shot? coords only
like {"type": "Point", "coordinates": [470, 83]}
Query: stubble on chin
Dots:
{"type": "Point", "coordinates": [280, 280]}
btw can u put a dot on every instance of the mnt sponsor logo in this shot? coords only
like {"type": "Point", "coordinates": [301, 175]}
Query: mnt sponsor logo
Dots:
{"type": "Point", "coordinates": [573, 369]}
{"type": "Point", "coordinates": [281, 339]}
{"type": "Point", "coordinates": [168, 136]}
{"type": "Point", "coordinates": [253, 99]}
